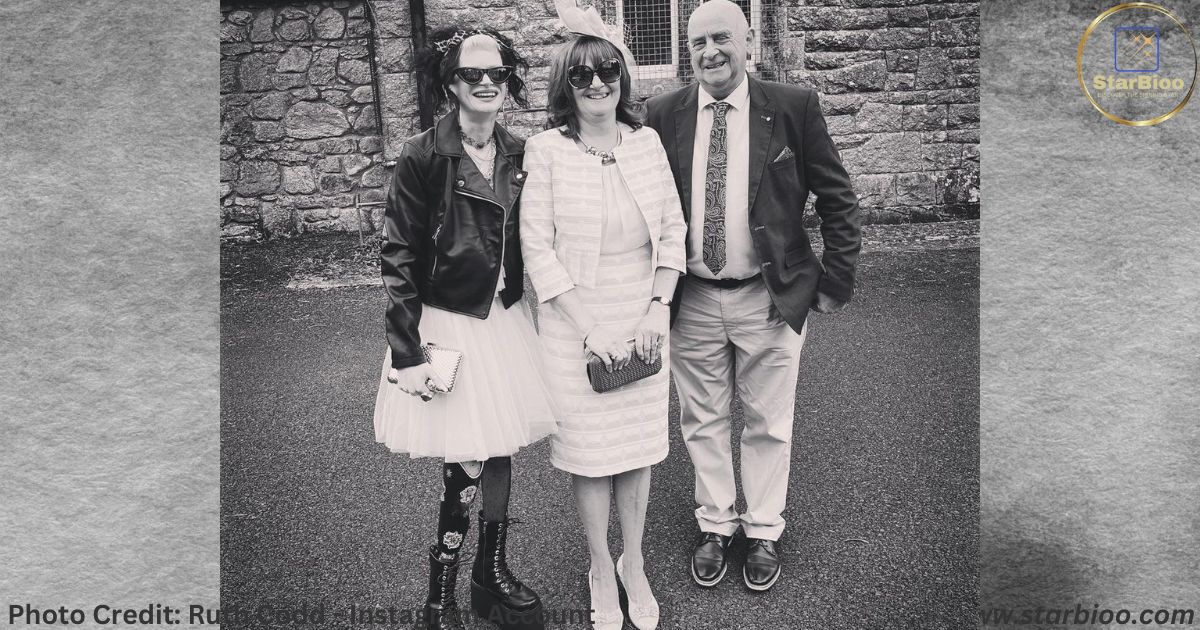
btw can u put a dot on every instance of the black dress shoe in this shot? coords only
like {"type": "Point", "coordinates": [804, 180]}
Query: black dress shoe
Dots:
{"type": "Point", "coordinates": [708, 558]}
{"type": "Point", "coordinates": [762, 566]}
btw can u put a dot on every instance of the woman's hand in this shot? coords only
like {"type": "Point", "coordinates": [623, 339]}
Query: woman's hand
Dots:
{"type": "Point", "coordinates": [613, 349]}
{"type": "Point", "coordinates": [419, 380]}
{"type": "Point", "coordinates": [652, 331]}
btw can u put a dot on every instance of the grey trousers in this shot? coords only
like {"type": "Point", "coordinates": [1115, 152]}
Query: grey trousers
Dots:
{"type": "Point", "coordinates": [734, 338]}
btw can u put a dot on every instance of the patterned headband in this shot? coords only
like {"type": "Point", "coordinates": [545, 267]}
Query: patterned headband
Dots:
{"type": "Point", "coordinates": [458, 38]}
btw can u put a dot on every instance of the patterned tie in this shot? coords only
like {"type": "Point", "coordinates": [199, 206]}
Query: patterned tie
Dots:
{"type": "Point", "coordinates": [714, 191]}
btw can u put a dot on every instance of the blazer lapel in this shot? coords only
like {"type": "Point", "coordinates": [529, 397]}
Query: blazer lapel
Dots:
{"type": "Point", "coordinates": [685, 143]}
{"type": "Point", "coordinates": [762, 124]}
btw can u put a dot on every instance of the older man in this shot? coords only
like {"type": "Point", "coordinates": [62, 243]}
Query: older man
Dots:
{"type": "Point", "coordinates": [746, 154]}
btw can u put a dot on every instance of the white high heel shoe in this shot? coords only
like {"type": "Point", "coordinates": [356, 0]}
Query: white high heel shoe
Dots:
{"type": "Point", "coordinates": [643, 614]}
{"type": "Point", "coordinates": [605, 618]}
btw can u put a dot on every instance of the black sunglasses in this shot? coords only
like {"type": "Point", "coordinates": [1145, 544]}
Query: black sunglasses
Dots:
{"type": "Point", "coordinates": [472, 76]}
{"type": "Point", "coordinates": [608, 70]}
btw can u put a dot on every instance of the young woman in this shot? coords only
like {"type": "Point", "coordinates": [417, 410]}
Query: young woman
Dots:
{"type": "Point", "coordinates": [452, 269]}
{"type": "Point", "coordinates": [602, 234]}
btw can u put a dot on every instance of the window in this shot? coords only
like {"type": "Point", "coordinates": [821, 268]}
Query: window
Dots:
{"type": "Point", "coordinates": [656, 34]}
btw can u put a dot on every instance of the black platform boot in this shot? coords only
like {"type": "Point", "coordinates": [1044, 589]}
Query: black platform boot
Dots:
{"type": "Point", "coordinates": [441, 609]}
{"type": "Point", "coordinates": [496, 595]}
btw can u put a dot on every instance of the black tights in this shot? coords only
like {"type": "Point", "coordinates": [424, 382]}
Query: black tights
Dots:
{"type": "Point", "coordinates": [459, 489]}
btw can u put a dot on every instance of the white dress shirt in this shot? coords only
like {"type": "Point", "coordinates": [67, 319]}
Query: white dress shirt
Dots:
{"type": "Point", "coordinates": [741, 260]}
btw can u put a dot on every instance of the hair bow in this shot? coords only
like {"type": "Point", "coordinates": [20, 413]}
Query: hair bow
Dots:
{"type": "Point", "coordinates": [588, 22]}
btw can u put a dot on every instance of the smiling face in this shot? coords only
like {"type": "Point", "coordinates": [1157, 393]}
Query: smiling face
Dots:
{"type": "Point", "coordinates": [600, 99]}
{"type": "Point", "coordinates": [719, 40]}
{"type": "Point", "coordinates": [485, 97]}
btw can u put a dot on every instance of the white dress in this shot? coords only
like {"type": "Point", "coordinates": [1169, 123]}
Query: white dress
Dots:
{"type": "Point", "coordinates": [626, 428]}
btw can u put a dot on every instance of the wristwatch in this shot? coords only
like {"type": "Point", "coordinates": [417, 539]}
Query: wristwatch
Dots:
{"type": "Point", "coordinates": [665, 301]}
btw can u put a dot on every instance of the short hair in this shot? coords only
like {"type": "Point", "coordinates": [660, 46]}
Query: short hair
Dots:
{"type": "Point", "coordinates": [560, 97]}
{"type": "Point", "coordinates": [435, 68]}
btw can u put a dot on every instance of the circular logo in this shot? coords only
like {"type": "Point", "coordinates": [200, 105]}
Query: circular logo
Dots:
{"type": "Point", "coordinates": [1137, 64]}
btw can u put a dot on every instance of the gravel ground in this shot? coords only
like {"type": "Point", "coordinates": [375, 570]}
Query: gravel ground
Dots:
{"type": "Point", "coordinates": [883, 501]}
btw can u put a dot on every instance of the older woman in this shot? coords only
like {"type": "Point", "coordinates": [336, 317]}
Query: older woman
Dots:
{"type": "Point", "coordinates": [452, 270]}
{"type": "Point", "coordinates": [602, 235]}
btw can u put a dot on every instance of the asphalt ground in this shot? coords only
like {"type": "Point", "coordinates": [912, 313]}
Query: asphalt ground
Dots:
{"type": "Point", "coordinates": [883, 500]}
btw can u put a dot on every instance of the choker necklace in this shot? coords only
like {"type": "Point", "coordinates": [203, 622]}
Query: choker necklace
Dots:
{"type": "Point", "coordinates": [478, 144]}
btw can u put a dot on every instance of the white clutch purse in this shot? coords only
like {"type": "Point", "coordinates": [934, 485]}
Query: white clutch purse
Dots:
{"type": "Point", "coordinates": [444, 361]}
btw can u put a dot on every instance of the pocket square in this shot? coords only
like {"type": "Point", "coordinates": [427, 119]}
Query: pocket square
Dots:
{"type": "Point", "coordinates": [783, 155]}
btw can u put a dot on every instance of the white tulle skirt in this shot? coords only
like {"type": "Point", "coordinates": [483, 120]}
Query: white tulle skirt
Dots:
{"type": "Point", "coordinates": [500, 401]}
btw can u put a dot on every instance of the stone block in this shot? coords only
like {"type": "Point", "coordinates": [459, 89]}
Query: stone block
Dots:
{"type": "Point", "coordinates": [834, 60]}
{"type": "Point", "coordinates": [940, 156]}
{"type": "Point", "coordinates": [335, 183]}
{"type": "Point", "coordinates": [398, 95]}
{"type": "Point", "coordinates": [229, 77]}
{"type": "Point", "coordinates": [229, 170]}
{"type": "Point", "coordinates": [355, 164]}
{"type": "Point", "coordinates": [366, 122]}
{"type": "Point", "coordinates": [256, 71]}
{"type": "Point", "coordinates": [328, 146]}
{"type": "Point", "coordinates": [867, 77]}
{"type": "Point", "coordinates": [278, 221]}
{"type": "Point", "coordinates": [393, 19]}
{"type": "Point", "coordinates": [914, 189]}
{"type": "Point", "coordinates": [335, 97]}
{"type": "Point", "coordinates": [898, 38]}
{"type": "Point", "coordinates": [260, 29]}
{"type": "Point", "coordinates": [817, 18]}
{"type": "Point", "coordinates": [293, 30]}
{"type": "Point", "coordinates": [332, 164]}
{"type": "Point", "coordinates": [375, 177]}
{"type": "Point", "coordinates": [950, 10]}
{"type": "Point", "coordinates": [296, 59]}
{"type": "Point", "coordinates": [394, 55]}
{"type": "Point", "coordinates": [875, 190]}
{"type": "Point", "coordinates": [884, 153]}
{"type": "Point", "coordinates": [272, 106]}
{"type": "Point", "coordinates": [900, 81]}
{"type": "Point", "coordinates": [309, 93]}
{"type": "Point", "coordinates": [908, 16]}
{"type": "Point", "coordinates": [370, 144]}
{"type": "Point", "coordinates": [354, 51]}
{"type": "Point", "coordinates": [241, 18]}
{"type": "Point", "coordinates": [358, 28]}
{"type": "Point", "coordinates": [228, 152]}
{"type": "Point", "coordinates": [933, 70]}
{"type": "Point", "coordinates": [923, 117]}
{"type": "Point", "coordinates": [233, 50]}
{"type": "Point", "coordinates": [239, 233]}
{"type": "Point", "coordinates": [233, 33]}
{"type": "Point", "coordinates": [288, 81]}
{"type": "Point", "coordinates": [267, 130]}
{"type": "Point", "coordinates": [298, 179]}
{"type": "Point", "coordinates": [354, 71]}
{"type": "Point", "coordinates": [834, 104]}
{"type": "Point", "coordinates": [315, 120]}
{"type": "Point", "coordinates": [329, 24]}
{"type": "Point", "coordinates": [963, 116]}
{"type": "Point", "coordinates": [878, 117]}
{"type": "Point", "coordinates": [901, 61]}
{"type": "Point", "coordinates": [293, 13]}
{"type": "Point", "coordinates": [363, 94]}
{"type": "Point", "coordinates": [323, 70]}
{"type": "Point", "coordinates": [257, 178]}
{"type": "Point", "coordinates": [957, 32]}
{"type": "Point", "coordinates": [834, 41]}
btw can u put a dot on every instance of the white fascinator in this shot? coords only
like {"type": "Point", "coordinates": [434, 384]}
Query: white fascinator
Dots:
{"type": "Point", "coordinates": [588, 22]}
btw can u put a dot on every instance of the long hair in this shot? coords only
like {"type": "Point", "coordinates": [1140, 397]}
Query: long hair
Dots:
{"type": "Point", "coordinates": [560, 97]}
{"type": "Point", "coordinates": [435, 70]}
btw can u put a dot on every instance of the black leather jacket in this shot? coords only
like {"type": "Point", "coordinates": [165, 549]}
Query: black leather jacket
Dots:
{"type": "Point", "coordinates": [445, 229]}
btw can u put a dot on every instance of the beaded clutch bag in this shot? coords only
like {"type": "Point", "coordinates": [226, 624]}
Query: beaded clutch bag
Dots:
{"type": "Point", "coordinates": [444, 361]}
{"type": "Point", "coordinates": [602, 380]}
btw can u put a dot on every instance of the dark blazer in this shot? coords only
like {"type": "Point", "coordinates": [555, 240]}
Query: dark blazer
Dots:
{"type": "Point", "coordinates": [780, 116]}
{"type": "Point", "coordinates": [446, 231]}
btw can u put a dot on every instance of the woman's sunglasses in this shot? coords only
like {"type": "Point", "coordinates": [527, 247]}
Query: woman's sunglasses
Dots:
{"type": "Point", "coordinates": [472, 76]}
{"type": "Point", "coordinates": [580, 76]}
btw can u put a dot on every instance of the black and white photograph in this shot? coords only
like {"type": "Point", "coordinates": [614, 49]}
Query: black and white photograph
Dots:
{"type": "Point", "coordinates": [600, 314]}
{"type": "Point", "coordinates": [640, 314]}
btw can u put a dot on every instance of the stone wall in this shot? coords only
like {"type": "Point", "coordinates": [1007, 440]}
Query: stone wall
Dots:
{"type": "Point", "coordinates": [300, 138]}
{"type": "Point", "coordinates": [898, 79]}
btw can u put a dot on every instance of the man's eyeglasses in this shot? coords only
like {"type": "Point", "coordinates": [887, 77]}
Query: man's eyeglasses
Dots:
{"type": "Point", "coordinates": [472, 76]}
{"type": "Point", "coordinates": [608, 70]}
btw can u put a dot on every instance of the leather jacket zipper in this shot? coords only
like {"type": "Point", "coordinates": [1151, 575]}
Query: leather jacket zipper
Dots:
{"type": "Point", "coordinates": [503, 224]}
{"type": "Point", "coordinates": [436, 233]}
